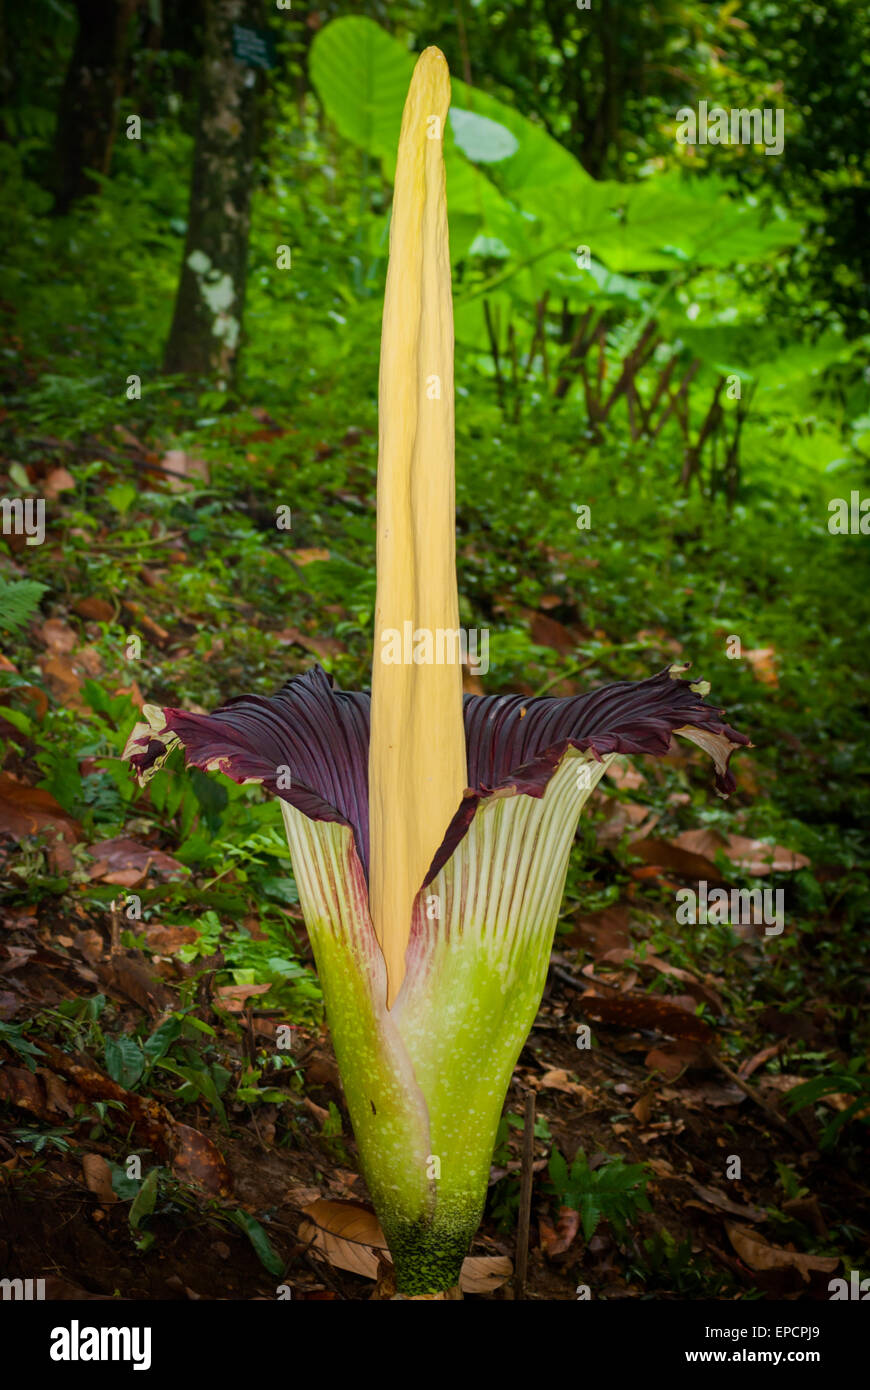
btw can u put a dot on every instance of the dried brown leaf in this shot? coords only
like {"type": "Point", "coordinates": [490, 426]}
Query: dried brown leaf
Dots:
{"type": "Point", "coordinates": [98, 1177]}
{"type": "Point", "coordinates": [755, 1252]}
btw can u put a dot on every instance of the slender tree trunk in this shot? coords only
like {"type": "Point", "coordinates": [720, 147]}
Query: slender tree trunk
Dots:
{"type": "Point", "coordinates": [209, 307]}
{"type": "Point", "coordinates": [88, 111]}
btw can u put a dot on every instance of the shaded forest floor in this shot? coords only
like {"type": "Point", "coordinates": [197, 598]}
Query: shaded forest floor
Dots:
{"type": "Point", "coordinates": [671, 1157]}
{"type": "Point", "coordinates": [231, 1213]}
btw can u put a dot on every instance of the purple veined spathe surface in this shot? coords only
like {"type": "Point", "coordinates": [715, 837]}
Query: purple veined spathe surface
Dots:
{"type": "Point", "coordinates": [512, 741]}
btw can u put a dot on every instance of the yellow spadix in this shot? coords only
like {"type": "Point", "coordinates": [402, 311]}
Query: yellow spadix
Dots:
{"type": "Point", "coordinates": [417, 768]}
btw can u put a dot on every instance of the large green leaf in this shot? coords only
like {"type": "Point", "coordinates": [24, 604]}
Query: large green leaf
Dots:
{"type": "Point", "coordinates": [754, 353]}
{"type": "Point", "coordinates": [481, 139]}
{"type": "Point", "coordinates": [474, 203]}
{"type": "Point", "coordinates": [516, 195]}
{"type": "Point", "coordinates": [667, 221]}
{"type": "Point", "coordinates": [538, 161]}
{"type": "Point", "coordinates": [125, 1061]}
{"type": "Point", "coordinates": [361, 75]}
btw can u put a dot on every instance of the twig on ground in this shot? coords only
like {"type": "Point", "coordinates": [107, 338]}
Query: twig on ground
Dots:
{"type": "Point", "coordinates": [525, 1212]}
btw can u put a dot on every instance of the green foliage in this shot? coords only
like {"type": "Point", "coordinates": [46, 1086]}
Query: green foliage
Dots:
{"type": "Point", "coordinates": [853, 1080]}
{"type": "Point", "coordinates": [614, 1191]}
{"type": "Point", "coordinates": [160, 1041]}
{"type": "Point", "coordinates": [529, 200]}
{"type": "Point", "coordinates": [263, 1247]}
{"type": "Point", "coordinates": [504, 1196]}
{"type": "Point", "coordinates": [362, 74]}
{"type": "Point", "coordinates": [672, 1265]}
{"type": "Point", "coordinates": [41, 1139]}
{"type": "Point", "coordinates": [145, 1200]}
{"type": "Point", "coordinates": [747, 266]}
{"type": "Point", "coordinates": [203, 1081]}
{"type": "Point", "coordinates": [19, 600]}
{"type": "Point", "coordinates": [13, 1037]}
{"type": "Point", "coordinates": [125, 1062]}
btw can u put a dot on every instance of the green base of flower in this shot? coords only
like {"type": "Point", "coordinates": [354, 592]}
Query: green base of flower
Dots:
{"type": "Point", "coordinates": [428, 1255]}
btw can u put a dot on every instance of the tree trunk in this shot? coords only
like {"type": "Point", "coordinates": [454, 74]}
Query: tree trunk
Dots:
{"type": "Point", "coordinates": [207, 323]}
{"type": "Point", "coordinates": [88, 111]}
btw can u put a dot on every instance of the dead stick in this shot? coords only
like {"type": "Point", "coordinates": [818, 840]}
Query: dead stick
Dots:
{"type": "Point", "coordinates": [493, 347]}
{"type": "Point", "coordinates": [750, 1091]}
{"type": "Point", "coordinates": [565, 975]}
{"type": "Point", "coordinates": [115, 938]}
{"type": "Point", "coordinates": [580, 345]}
{"type": "Point", "coordinates": [250, 1040]}
{"type": "Point", "coordinates": [692, 460]}
{"type": "Point", "coordinates": [674, 398]}
{"type": "Point", "coordinates": [540, 332]}
{"type": "Point", "coordinates": [662, 385]}
{"type": "Point", "coordinates": [525, 1213]}
{"type": "Point", "coordinates": [632, 364]}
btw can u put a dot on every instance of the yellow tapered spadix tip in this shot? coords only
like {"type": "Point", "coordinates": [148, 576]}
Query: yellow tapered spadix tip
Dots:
{"type": "Point", "coordinates": [417, 750]}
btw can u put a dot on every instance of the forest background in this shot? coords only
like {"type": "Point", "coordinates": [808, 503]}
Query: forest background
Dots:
{"type": "Point", "coordinates": [663, 446]}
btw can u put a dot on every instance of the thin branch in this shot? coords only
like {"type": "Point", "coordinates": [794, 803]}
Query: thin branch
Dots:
{"type": "Point", "coordinates": [631, 365]}
{"type": "Point", "coordinates": [493, 347]}
{"type": "Point", "coordinates": [525, 1211]}
{"type": "Point", "coordinates": [578, 349]}
{"type": "Point", "coordinates": [692, 460]}
{"type": "Point", "coordinates": [674, 397]}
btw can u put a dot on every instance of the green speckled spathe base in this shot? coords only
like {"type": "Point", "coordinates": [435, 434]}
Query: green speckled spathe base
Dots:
{"type": "Point", "coordinates": [428, 1255]}
{"type": "Point", "coordinates": [425, 1081]}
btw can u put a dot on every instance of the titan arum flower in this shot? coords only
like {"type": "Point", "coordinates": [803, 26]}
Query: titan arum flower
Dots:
{"type": "Point", "coordinates": [429, 832]}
